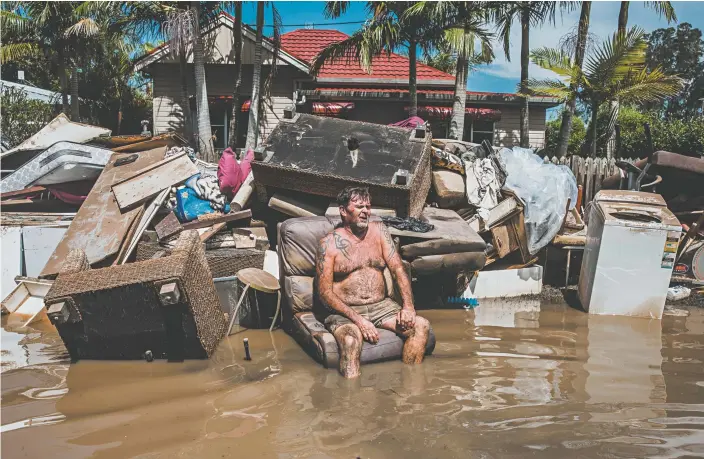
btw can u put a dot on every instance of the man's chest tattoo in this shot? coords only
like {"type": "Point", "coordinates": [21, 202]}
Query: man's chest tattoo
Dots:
{"type": "Point", "coordinates": [343, 245]}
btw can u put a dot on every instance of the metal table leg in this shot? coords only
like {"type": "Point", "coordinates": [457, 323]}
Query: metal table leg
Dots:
{"type": "Point", "coordinates": [278, 308]}
{"type": "Point", "coordinates": [237, 308]}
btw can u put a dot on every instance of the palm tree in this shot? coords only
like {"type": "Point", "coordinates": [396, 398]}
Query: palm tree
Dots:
{"type": "Point", "coordinates": [52, 29]}
{"type": "Point", "coordinates": [570, 105]}
{"type": "Point", "coordinates": [661, 8]}
{"type": "Point", "coordinates": [205, 135]}
{"type": "Point", "coordinates": [237, 44]}
{"type": "Point", "coordinates": [391, 28]}
{"type": "Point", "coordinates": [615, 71]}
{"type": "Point", "coordinates": [253, 128]}
{"type": "Point", "coordinates": [529, 14]}
{"type": "Point", "coordinates": [462, 24]}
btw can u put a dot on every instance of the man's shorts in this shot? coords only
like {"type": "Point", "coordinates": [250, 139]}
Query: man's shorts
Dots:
{"type": "Point", "coordinates": [376, 313]}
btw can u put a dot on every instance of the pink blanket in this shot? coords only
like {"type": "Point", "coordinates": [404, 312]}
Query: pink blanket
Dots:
{"type": "Point", "coordinates": [231, 174]}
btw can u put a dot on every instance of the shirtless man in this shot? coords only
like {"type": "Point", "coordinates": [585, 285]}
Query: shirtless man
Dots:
{"type": "Point", "coordinates": [350, 285]}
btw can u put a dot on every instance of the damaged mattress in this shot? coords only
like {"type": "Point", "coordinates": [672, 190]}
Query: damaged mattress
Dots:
{"type": "Point", "coordinates": [63, 162]}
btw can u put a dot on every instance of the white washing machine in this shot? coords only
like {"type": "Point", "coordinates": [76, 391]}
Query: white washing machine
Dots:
{"type": "Point", "coordinates": [632, 241]}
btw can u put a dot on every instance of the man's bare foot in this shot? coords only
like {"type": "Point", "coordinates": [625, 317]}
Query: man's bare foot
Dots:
{"type": "Point", "coordinates": [349, 342]}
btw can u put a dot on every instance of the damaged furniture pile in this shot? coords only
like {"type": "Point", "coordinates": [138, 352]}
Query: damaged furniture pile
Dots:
{"type": "Point", "coordinates": [134, 248]}
{"type": "Point", "coordinates": [138, 224]}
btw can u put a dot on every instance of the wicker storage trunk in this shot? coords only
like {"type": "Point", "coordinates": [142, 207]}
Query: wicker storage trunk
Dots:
{"type": "Point", "coordinates": [222, 262]}
{"type": "Point", "coordinates": [120, 313]}
{"type": "Point", "coordinates": [321, 156]}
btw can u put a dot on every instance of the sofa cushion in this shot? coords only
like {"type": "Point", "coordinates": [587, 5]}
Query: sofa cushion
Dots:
{"type": "Point", "coordinates": [299, 238]}
{"type": "Point", "coordinates": [321, 344]}
{"type": "Point", "coordinates": [299, 293]}
{"type": "Point", "coordinates": [473, 243]}
{"type": "Point", "coordinates": [449, 188]}
{"type": "Point", "coordinates": [453, 262]}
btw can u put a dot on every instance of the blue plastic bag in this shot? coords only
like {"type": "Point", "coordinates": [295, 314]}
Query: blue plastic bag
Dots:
{"type": "Point", "coordinates": [189, 206]}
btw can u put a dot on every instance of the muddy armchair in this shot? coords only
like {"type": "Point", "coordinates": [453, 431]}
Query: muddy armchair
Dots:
{"type": "Point", "coordinates": [297, 245]}
{"type": "Point", "coordinates": [167, 306]}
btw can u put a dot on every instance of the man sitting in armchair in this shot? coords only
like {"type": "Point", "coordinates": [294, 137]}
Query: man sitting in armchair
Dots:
{"type": "Point", "coordinates": [350, 285]}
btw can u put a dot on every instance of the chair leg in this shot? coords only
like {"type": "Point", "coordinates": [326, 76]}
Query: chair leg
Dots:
{"type": "Point", "coordinates": [237, 308]}
{"type": "Point", "coordinates": [278, 308]}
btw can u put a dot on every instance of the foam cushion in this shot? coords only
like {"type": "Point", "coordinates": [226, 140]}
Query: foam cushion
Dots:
{"type": "Point", "coordinates": [449, 187]}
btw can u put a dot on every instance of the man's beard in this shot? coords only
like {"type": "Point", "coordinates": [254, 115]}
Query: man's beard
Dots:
{"type": "Point", "coordinates": [359, 225]}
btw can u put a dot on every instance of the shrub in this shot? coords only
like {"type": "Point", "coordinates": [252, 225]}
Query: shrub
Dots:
{"type": "Point", "coordinates": [20, 118]}
{"type": "Point", "coordinates": [679, 136]}
{"type": "Point", "coordinates": [552, 134]}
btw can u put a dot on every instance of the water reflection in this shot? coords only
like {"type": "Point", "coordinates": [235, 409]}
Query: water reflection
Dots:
{"type": "Point", "coordinates": [506, 380]}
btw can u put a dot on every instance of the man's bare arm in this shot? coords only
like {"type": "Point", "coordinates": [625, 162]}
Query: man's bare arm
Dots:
{"type": "Point", "coordinates": [324, 265]}
{"type": "Point", "coordinates": [393, 261]}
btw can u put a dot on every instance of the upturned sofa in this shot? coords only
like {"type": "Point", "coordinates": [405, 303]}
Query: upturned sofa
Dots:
{"type": "Point", "coordinates": [297, 245]}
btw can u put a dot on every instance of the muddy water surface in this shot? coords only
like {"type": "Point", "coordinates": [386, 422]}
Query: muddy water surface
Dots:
{"type": "Point", "coordinates": [513, 380]}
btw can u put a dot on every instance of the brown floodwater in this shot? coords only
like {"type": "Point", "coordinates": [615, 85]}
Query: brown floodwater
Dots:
{"type": "Point", "coordinates": [506, 380]}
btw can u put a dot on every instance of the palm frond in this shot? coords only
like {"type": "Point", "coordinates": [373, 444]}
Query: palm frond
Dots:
{"type": "Point", "coordinates": [664, 9]}
{"type": "Point", "coordinates": [334, 10]}
{"type": "Point", "coordinates": [85, 27]}
{"type": "Point", "coordinates": [644, 86]}
{"type": "Point", "coordinates": [16, 51]}
{"type": "Point", "coordinates": [617, 56]}
{"type": "Point", "coordinates": [554, 60]}
{"type": "Point", "coordinates": [13, 23]}
{"type": "Point", "coordinates": [354, 48]}
{"type": "Point", "coordinates": [550, 88]}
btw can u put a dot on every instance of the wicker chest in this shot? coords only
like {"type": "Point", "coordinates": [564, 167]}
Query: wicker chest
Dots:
{"type": "Point", "coordinates": [321, 156]}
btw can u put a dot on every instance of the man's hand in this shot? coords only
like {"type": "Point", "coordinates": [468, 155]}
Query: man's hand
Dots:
{"type": "Point", "coordinates": [406, 318]}
{"type": "Point", "coordinates": [368, 330]}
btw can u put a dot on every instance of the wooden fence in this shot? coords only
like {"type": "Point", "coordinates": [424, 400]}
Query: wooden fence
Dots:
{"type": "Point", "coordinates": [589, 172]}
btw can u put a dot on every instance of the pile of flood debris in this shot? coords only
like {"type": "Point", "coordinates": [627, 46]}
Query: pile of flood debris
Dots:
{"type": "Point", "coordinates": [102, 233]}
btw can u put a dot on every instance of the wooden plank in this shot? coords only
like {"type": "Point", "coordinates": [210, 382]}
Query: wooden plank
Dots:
{"type": "Point", "coordinates": [212, 231]}
{"type": "Point", "coordinates": [164, 140]}
{"type": "Point", "coordinates": [146, 219]}
{"type": "Point", "coordinates": [22, 193]}
{"type": "Point", "coordinates": [99, 227]}
{"type": "Point", "coordinates": [151, 167]}
{"type": "Point", "coordinates": [151, 181]}
{"type": "Point", "coordinates": [128, 237]}
{"type": "Point", "coordinates": [168, 226]}
{"type": "Point", "coordinates": [241, 215]}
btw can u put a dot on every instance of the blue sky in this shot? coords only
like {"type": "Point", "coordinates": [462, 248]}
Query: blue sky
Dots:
{"type": "Point", "coordinates": [502, 75]}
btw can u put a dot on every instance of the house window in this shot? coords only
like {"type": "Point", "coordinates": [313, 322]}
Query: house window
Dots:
{"type": "Point", "coordinates": [219, 124]}
{"type": "Point", "coordinates": [477, 131]}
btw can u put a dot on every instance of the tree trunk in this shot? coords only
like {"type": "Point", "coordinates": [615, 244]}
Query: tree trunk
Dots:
{"type": "Point", "coordinates": [75, 115]}
{"type": "Point", "coordinates": [185, 100]}
{"type": "Point", "coordinates": [592, 134]}
{"type": "Point", "coordinates": [412, 80]}
{"type": "Point", "coordinates": [253, 128]}
{"type": "Point", "coordinates": [238, 75]}
{"type": "Point", "coordinates": [460, 98]}
{"type": "Point", "coordinates": [525, 51]}
{"type": "Point", "coordinates": [205, 135]}
{"type": "Point", "coordinates": [119, 115]}
{"type": "Point", "coordinates": [568, 113]}
{"type": "Point", "coordinates": [623, 18]}
{"type": "Point", "coordinates": [64, 85]}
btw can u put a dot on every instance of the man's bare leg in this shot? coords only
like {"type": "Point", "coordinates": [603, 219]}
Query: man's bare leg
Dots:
{"type": "Point", "coordinates": [349, 342]}
{"type": "Point", "coordinates": [416, 339]}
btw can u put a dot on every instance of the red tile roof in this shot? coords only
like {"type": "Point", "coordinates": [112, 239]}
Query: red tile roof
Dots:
{"type": "Point", "coordinates": [305, 44]}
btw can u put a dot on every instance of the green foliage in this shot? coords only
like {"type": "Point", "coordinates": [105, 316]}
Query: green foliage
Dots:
{"type": "Point", "coordinates": [680, 136]}
{"type": "Point", "coordinates": [678, 52]}
{"type": "Point", "coordinates": [20, 117]}
{"type": "Point", "coordinates": [577, 136]}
